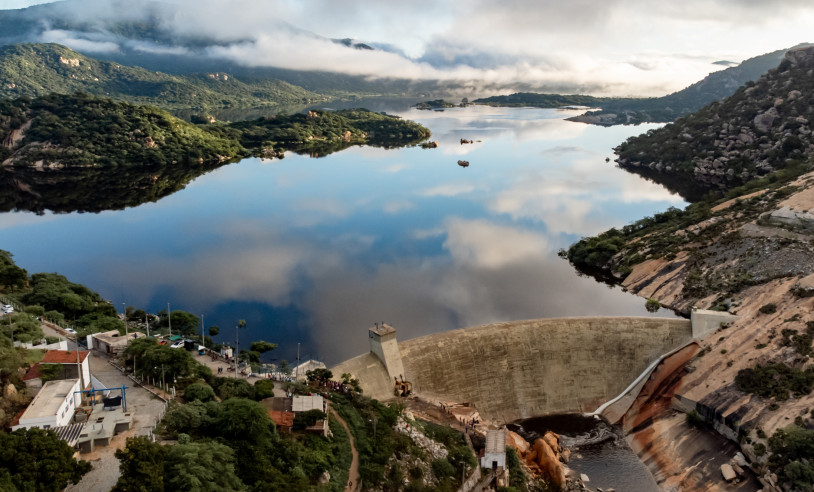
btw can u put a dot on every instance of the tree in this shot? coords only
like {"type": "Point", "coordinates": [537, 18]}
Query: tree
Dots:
{"type": "Point", "coordinates": [233, 388]}
{"type": "Point", "coordinates": [199, 391]}
{"type": "Point", "coordinates": [263, 389]}
{"type": "Point", "coordinates": [201, 466]}
{"type": "Point", "coordinates": [37, 459]}
{"type": "Point", "coordinates": [141, 466]}
{"type": "Point", "coordinates": [245, 420]}
{"type": "Point", "coordinates": [320, 375]}
{"type": "Point", "coordinates": [213, 331]}
{"type": "Point", "coordinates": [183, 322]}
{"type": "Point", "coordinates": [262, 346]}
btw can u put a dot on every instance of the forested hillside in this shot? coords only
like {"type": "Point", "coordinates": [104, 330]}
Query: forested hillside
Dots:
{"type": "Point", "coordinates": [33, 70]}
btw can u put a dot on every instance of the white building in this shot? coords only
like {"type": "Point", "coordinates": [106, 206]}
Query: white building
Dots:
{"type": "Point", "coordinates": [54, 405]}
{"type": "Point", "coordinates": [494, 456]}
{"type": "Point", "coordinates": [299, 371]}
{"type": "Point", "coordinates": [109, 342]}
{"type": "Point", "coordinates": [308, 402]}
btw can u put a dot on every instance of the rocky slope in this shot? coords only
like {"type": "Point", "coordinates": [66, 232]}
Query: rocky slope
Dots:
{"type": "Point", "coordinates": [750, 253]}
{"type": "Point", "coordinates": [759, 129]}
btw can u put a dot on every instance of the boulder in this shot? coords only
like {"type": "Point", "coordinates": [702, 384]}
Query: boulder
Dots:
{"type": "Point", "coordinates": [763, 122]}
{"type": "Point", "coordinates": [10, 391]}
{"type": "Point", "coordinates": [546, 459]}
{"type": "Point", "coordinates": [728, 472]}
{"type": "Point", "coordinates": [553, 441]}
{"type": "Point", "coordinates": [325, 477]}
{"type": "Point", "coordinates": [516, 442]}
{"type": "Point", "coordinates": [739, 459]}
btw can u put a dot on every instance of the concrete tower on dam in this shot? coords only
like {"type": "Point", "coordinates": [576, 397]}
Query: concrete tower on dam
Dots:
{"type": "Point", "coordinates": [521, 369]}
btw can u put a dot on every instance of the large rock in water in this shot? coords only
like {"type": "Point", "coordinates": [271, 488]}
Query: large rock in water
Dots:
{"type": "Point", "coordinates": [548, 461]}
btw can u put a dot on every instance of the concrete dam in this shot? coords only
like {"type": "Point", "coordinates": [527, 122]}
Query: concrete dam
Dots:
{"type": "Point", "coordinates": [521, 369]}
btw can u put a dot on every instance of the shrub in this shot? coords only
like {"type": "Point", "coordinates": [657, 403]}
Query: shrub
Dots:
{"type": "Point", "coordinates": [652, 305]}
{"type": "Point", "coordinates": [775, 380]}
{"type": "Point", "coordinates": [694, 419]}
{"type": "Point", "coordinates": [770, 308]}
{"type": "Point", "coordinates": [442, 468]}
{"type": "Point", "coordinates": [263, 389]}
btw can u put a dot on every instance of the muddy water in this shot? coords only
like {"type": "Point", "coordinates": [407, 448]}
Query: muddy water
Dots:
{"type": "Point", "coordinates": [597, 449]}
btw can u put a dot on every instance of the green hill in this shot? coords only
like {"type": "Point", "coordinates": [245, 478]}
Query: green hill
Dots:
{"type": "Point", "coordinates": [33, 70]}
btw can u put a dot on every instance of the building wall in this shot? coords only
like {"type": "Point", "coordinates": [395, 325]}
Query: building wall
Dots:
{"type": "Point", "coordinates": [705, 322]}
{"type": "Point", "coordinates": [488, 458]}
{"type": "Point", "coordinates": [386, 348]}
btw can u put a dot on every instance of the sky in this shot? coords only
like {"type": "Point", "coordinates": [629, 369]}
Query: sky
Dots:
{"type": "Point", "coordinates": [602, 47]}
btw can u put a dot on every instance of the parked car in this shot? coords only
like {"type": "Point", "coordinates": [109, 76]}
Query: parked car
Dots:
{"type": "Point", "coordinates": [70, 331]}
{"type": "Point", "coordinates": [178, 344]}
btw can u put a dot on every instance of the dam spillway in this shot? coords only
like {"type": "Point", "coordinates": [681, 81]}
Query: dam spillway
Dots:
{"type": "Point", "coordinates": [521, 369]}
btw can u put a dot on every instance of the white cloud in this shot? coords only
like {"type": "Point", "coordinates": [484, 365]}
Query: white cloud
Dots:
{"type": "Point", "coordinates": [577, 46]}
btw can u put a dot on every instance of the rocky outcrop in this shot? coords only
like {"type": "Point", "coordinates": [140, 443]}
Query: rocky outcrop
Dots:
{"type": "Point", "coordinates": [759, 129]}
{"type": "Point", "coordinates": [544, 460]}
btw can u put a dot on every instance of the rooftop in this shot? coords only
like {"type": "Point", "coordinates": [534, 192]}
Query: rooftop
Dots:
{"type": "Point", "coordinates": [112, 337]}
{"type": "Point", "coordinates": [382, 329]}
{"type": "Point", "coordinates": [496, 441]}
{"type": "Point", "coordinates": [282, 419]}
{"type": "Point", "coordinates": [305, 403]}
{"type": "Point", "coordinates": [33, 372]}
{"type": "Point", "coordinates": [49, 399]}
{"type": "Point", "coordinates": [63, 357]}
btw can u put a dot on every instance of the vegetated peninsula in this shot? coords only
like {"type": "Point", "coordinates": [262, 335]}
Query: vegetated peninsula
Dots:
{"type": "Point", "coordinates": [114, 154]}
{"type": "Point", "coordinates": [749, 252]}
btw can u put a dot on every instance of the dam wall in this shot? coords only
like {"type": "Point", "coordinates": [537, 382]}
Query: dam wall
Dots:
{"type": "Point", "coordinates": [521, 369]}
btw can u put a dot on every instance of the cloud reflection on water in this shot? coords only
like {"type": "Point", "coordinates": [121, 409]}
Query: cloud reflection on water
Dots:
{"type": "Point", "coordinates": [364, 235]}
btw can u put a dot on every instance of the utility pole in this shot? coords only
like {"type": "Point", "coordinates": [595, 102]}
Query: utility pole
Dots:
{"type": "Point", "coordinates": [297, 372]}
{"type": "Point", "coordinates": [203, 340]}
{"type": "Point", "coordinates": [147, 324]}
{"type": "Point", "coordinates": [124, 316]}
{"type": "Point", "coordinates": [237, 348]}
{"type": "Point", "coordinates": [169, 318]}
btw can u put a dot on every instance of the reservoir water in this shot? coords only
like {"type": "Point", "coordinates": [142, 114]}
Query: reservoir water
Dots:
{"type": "Point", "coordinates": [598, 450]}
{"type": "Point", "coordinates": [313, 251]}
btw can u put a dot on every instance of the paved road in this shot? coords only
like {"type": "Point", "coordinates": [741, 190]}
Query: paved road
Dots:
{"type": "Point", "coordinates": [145, 408]}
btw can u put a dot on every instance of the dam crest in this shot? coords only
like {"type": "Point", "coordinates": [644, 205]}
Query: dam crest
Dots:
{"type": "Point", "coordinates": [528, 368]}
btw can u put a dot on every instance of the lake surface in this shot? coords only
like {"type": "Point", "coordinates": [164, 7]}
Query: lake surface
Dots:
{"type": "Point", "coordinates": [314, 251]}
